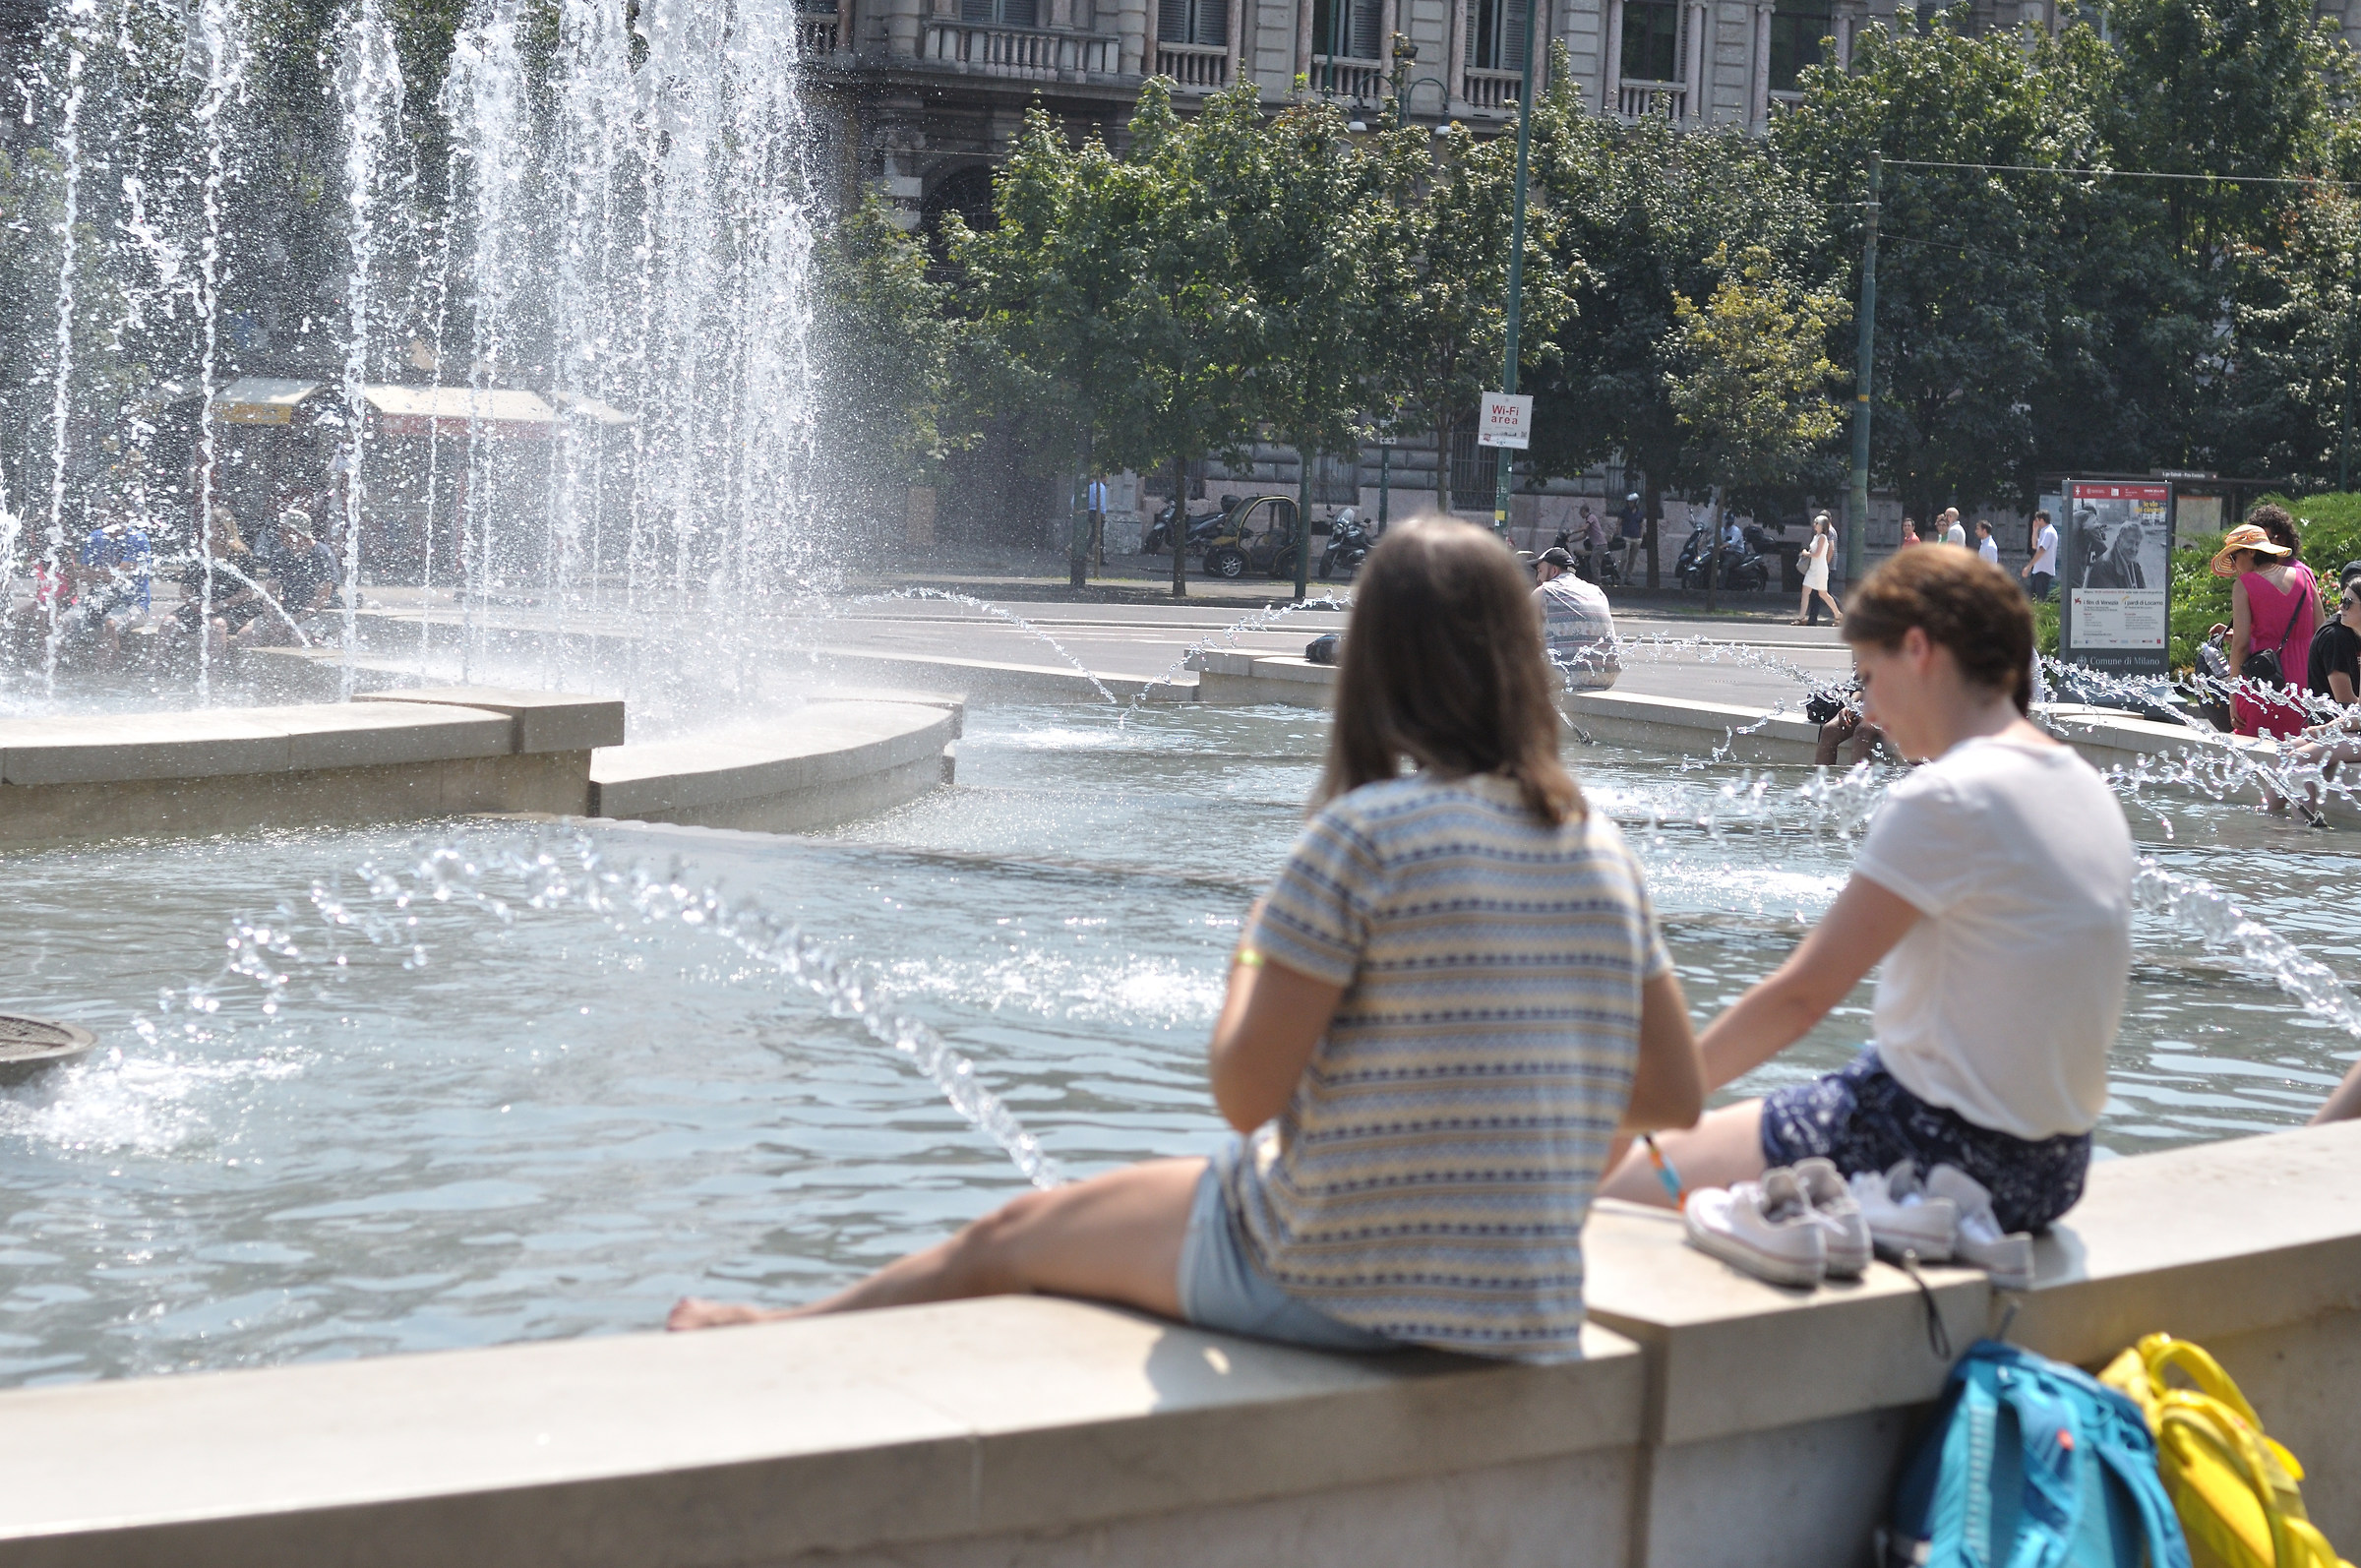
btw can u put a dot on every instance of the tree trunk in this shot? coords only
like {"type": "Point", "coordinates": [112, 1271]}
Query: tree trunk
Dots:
{"type": "Point", "coordinates": [1443, 471]}
{"type": "Point", "coordinates": [1302, 522]}
{"type": "Point", "coordinates": [1179, 527]}
{"type": "Point", "coordinates": [1712, 554]}
{"type": "Point", "coordinates": [1651, 507]}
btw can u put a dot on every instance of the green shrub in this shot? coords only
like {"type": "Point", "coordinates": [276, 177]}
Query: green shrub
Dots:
{"type": "Point", "coordinates": [2330, 527]}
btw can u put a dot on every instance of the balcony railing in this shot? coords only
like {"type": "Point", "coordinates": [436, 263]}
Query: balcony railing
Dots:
{"type": "Point", "coordinates": [1194, 67]}
{"type": "Point", "coordinates": [1650, 100]}
{"type": "Point", "coordinates": [1348, 77]}
{"type": "Point", "coordinates": [1490, 90]}
{"type": "Point", "coordinates": [815, 36]}
{"type": "Point", "coordinates": [1030, 53]}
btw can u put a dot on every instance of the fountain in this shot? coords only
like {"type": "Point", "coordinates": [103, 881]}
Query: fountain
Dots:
{"type": "Point", "coordinates": [354, 1087]}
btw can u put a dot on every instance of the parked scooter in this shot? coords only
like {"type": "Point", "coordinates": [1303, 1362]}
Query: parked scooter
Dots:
{"type": "Point", "coordinates": [1349, 545]}
{"type": "Point", "coordinates": [1202, 526]}
{"type": "Point", "coordinates": [1610, 574]}
{"type": "Point", "coordinates": [1743, 568]}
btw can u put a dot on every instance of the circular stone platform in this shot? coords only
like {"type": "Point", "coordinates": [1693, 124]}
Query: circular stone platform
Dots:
{"type": "Point", "coordinates": [29, 1045]}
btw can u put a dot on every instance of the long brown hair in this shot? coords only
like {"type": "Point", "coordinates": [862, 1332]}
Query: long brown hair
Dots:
{"type": "Point", "coordinates": [1961, 602]}
{"type": "Point", "coordinates": [1443, 665]}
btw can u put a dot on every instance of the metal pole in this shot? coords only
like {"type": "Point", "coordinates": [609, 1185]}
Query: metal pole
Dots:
{"type": "Point", "coordinates": [1516, 256]}
{"type": "Point", "coordinates": [1856, 509]}
{"type": "Point", "coordinates": [1385, 462]}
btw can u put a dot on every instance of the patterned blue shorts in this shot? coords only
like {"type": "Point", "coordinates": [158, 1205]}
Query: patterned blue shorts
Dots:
{"type": "Point", "coordinates": [1865, 1121]}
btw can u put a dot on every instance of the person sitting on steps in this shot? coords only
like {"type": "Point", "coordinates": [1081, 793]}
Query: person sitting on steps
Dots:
{"type": "Point", "coordinates": [1421, 1107]}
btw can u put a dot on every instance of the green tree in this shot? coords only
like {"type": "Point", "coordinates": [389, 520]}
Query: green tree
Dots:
{"type": "Point", "coordinates": [1975, 266]}
{"type": "Point", "coordinates": [1325, 271]}
{"type": "Point", "coordinates": [1646, 208]}
{"type": "Point", "coordinates": [888, 344]}
{"type": "Point", "coordinates": [1113, 287]}
{"type": "Point", "coordinates": [1445, 337]}
{"type": "Point", "coordinates": [1752, 385]}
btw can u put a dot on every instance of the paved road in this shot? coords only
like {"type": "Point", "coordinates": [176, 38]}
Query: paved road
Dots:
{"type": "Point", "coordinates": [1144, 641]}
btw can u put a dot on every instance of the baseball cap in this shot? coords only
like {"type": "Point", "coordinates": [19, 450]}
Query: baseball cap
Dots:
{"type": "Point", "coordinates": [1556, 556]}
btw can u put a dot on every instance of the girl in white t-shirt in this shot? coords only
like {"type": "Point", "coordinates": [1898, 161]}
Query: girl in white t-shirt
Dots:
{"type": "Point", "coordinates": [1994, 884]}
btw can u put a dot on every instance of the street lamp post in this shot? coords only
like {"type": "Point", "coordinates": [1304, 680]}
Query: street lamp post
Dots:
{"type": "Point", "coordinates": [1856, 506]}
{"type": "Point", "coordinates": [1502, 464]}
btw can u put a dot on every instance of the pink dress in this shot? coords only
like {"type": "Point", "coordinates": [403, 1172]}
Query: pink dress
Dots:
{"type": "Point", "coordinates": [2281, 620]}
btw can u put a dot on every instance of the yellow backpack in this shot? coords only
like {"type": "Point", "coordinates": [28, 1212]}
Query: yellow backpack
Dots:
{"type": "Point", "coordinates": [2235, 1489]}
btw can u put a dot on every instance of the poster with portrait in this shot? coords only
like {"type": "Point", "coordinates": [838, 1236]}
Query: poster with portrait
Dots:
{"type": "Point", "coordinates": [2115, 542]}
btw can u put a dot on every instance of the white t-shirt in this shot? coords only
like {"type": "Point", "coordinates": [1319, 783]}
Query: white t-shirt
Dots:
{"type": "Point", "coordinates": [1989, 549]}
{"type": "Point", "coordinates": [2003, 999]}
{"type": "Point", "coordinates": [1956, 535]}
{"type": "Point", "coordinates": [2045, 549]}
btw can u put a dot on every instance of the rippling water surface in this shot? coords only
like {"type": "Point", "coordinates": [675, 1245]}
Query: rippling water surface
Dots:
{"type": "Point", "coordinates": [480, 1129]}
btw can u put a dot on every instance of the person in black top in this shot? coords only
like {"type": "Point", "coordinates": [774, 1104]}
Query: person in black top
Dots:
{"type": "Point", "coordinates": [2334, 667]}
{"type": "Point", "coordinates": [2335, 673]}
{"type": "Point", "coordinates": [303, 576]}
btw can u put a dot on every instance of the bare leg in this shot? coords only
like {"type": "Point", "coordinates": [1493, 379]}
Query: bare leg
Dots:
{"type": "Point", "coordinates": [1115, 1237]}
{"type": "Point", "coordinates": [1726, 1146]}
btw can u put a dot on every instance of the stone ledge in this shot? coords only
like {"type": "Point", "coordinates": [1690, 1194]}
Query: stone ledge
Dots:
{"type": "Point", "coordinates": [215, 743]}
{"type": "Point", "coordinates": [803, 770]}
{"type": "Point", "coordinates": [754, 1445]}
{"type": "Point", "coordinates": [545, 722]}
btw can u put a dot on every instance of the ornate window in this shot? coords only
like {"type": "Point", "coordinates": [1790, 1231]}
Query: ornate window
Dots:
{"type": "Point", "coordinates": [1651, 41]}
{"type": "Point", "coordinates": [1205, 23]}
{"type": "Point", "coordinates": [1798, 28]}
{"type": "Point", "coordinates": [1002, 13]}
{"type": "Point", "coordinates": [1346, 29]}
{"type": "Point", "coordinates": [1496, 34]}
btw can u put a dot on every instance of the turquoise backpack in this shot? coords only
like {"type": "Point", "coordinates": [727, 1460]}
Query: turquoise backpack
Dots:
{"type": "Point", "coordinates": [2032, 1463]}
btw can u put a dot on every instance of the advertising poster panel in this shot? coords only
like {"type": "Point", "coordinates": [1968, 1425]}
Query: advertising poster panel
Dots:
{"type": "Point", "coordinates": [2115, 542]}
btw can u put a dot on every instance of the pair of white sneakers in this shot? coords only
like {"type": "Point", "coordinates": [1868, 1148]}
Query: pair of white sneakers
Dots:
{"type": "Point", "coordinates": [1948, 1217]}
{"type": "Point", "coordinates": [1803, 1224]}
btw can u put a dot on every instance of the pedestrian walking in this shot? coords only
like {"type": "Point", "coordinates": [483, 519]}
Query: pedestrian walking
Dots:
{"type": "Point", "coordinates": [2274, 605]}
{"type": "Point", "coordinates": [1633, 525]}
{"type": "Point", "coordinates": [1816, 558]}
{"type": "Point", "coordinates": [1952, 532]}
{"type": "Point", "coordinates": [2040, 573]}
{"type": "Point", "coordinates": [1578, 629]}
{"type": "Point", "coordinates": [1986, 546]}
{"type": "Point", "coordinates": [1097, 502]}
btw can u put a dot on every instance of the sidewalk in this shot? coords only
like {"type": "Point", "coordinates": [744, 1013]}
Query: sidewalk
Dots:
{"type": "Point", "coordinates": [1041, 575]}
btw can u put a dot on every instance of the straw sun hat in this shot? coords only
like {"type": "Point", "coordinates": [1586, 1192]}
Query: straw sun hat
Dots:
{"type": "Point", "coordinates": [2246, 536]}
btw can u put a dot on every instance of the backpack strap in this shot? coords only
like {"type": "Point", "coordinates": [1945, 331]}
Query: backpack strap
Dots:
{"type": "Point", "coordinates": [2136, 1472]}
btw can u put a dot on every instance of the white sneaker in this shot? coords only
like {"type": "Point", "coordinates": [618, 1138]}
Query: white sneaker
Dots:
{"type": "Point", "coordinates": [1845, 1227]}
{"type": "Point", "coordinates": [1903, 1217]}
{"type": "Point", "coordinates": [1766, 1228]}
{"type": "Point", "coordinates": [2006, 1255]}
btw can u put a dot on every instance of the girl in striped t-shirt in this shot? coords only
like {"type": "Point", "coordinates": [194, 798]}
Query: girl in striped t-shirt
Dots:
{"type": "Point", "coordinates": [1442, 1014]}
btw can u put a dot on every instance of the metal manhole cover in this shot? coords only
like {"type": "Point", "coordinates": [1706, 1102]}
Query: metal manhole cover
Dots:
{"type": "Point", "coordinates": [28, 1045]}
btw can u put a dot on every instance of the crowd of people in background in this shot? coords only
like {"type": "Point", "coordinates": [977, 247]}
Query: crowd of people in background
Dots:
{"type": "Point", "coordinates": [231, 592]}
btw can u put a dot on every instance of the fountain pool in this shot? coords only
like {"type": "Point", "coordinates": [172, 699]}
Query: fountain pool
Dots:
{"type": "Point", "coordinates": [552, 1125]}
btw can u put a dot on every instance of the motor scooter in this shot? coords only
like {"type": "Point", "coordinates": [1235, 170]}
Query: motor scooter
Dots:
{"type": "Point", "coordinates": [1349, 545]}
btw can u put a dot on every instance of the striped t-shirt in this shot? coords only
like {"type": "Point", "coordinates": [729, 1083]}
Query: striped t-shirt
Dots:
{"type": "Point", "coordinates": [1429, 1177]}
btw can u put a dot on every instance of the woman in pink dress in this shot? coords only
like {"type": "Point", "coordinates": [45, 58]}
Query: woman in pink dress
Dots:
{"type": "Point", "coordinates": [2275, 606]}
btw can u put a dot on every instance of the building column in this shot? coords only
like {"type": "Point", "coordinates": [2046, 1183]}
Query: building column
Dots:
{"type": "Point", "coordinates": [1303, 41]}
{"type": "Point", "coordinates": [1611, 70]}
{"type": "Point", "coordinates": [1844, 43]}
{"type": "Point", "coordinates": [1758, 97]}
{"type": "Point", "coordinates": [1455, 58]}
{"type": "Point", "coordinates": [1701, 18]}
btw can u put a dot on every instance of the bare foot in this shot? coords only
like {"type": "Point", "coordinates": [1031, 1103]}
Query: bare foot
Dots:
{"type": "Point", "coordinates": [695, 1311]}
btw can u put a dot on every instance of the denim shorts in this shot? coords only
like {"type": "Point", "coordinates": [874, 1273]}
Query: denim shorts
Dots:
{"type": "Point", "coordinates": [1861, 1119]}
{"type": "Point", "coordinates": [1222, 1287]}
